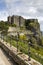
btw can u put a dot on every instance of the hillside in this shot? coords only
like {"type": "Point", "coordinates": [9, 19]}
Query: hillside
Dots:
{"type": "Point", "coordinates": [34, 27]}
{"type": "Point", "coordinates": [31, 31]}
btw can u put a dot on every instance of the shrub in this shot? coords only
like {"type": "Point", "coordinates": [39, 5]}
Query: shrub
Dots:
{"type": "Point", "coordinates": [13, 25]}
{"type": "Point", "coordinates": [22, 37]}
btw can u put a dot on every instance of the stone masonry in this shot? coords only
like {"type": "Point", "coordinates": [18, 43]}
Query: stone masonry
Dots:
{"type": "Point", "coordinates": [17, 20]}
{"type": "Point", "coordinates": [9, 19]}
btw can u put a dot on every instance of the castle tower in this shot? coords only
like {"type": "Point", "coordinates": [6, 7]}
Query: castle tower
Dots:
{"type": "Point", "coordinates": [9, 19]}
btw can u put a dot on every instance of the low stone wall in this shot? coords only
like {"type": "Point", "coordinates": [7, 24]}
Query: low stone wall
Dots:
{"type": "Point", "coordinates": [15, 57]}
{"type": "Point", "coordinates": [18, 57]}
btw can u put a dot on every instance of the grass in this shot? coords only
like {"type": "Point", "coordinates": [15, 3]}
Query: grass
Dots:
{"type": "Point", "coordinates": [36, 54]}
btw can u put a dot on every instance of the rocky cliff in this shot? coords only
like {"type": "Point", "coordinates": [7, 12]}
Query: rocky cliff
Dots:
{"type": "Point", "coordinates": [33, 26]}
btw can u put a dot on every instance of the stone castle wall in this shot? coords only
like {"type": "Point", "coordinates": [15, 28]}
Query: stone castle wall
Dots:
{"type": "Point", "coordinates": [9, 19]}
{"type": "Point", "coordinates": [18, 20]}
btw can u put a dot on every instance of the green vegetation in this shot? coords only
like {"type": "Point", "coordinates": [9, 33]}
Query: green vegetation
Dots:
{"type": "Point", "coordinates": [23, 47]}
{"type": "Point", "coordinates": [42, 40]}
{"type": "Point", "coordinates": [36, 49]}
{"type": "Point", "coordinates": [3, 26]}
{"type": "Point", "coordinates": [13, 25]}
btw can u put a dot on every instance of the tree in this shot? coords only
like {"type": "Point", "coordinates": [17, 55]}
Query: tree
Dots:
{"type": "Point", "coordinates": [3, 28]}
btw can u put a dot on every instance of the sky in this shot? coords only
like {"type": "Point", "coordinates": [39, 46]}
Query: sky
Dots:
{"type": "Point", "coordinates": [26, 8]}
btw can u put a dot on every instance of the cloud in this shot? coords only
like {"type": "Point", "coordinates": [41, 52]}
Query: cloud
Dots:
{"type": "Point", "coordinates": [3, 15]}
{"type": "Point", "coordinates": [25, 8]}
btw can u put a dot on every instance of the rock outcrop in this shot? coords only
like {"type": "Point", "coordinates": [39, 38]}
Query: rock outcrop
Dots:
{"type": "Point", "coordinates": [33, 26]}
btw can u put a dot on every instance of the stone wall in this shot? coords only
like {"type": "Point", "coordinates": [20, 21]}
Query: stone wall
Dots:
{"type": "Point", "coordinates": [18, 57]}
{"type": "Point", "coordinates": [9, 19]}
{"type": "Point", "coordinates": [17, 20]}
{"type": "Point", "coordinates": [15, 57]}
{"type": "Point", "coordinates": [21, 21]}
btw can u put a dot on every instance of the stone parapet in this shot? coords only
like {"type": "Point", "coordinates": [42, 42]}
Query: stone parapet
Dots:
{"type": "Point", "coordinates": [18, 57]}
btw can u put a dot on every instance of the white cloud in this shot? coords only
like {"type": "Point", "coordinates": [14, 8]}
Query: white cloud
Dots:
{"type": "Point", "coordinates": [25, 8]}
{"type": "Point", "coordinates": [3, 15]}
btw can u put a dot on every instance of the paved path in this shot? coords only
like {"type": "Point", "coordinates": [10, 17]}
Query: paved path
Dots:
{"type": "Point", "coordinates": [4, 60]}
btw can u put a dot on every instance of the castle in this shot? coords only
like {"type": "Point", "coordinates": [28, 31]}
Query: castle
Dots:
{"type": "Point", "coordinates": [19, 20]}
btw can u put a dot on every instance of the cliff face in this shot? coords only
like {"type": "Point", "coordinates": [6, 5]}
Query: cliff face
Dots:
{"type": "Point", "coordinates": [31, 25]}
{"type": "Point", "coordinates": [34, 27]}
